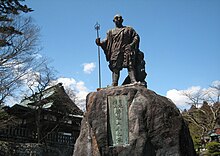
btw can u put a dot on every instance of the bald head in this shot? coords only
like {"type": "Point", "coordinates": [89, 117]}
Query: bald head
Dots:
{"type": "Point", "coordinates": [118, 20]}
{"type": "Point", "coordinates": [117, 17]}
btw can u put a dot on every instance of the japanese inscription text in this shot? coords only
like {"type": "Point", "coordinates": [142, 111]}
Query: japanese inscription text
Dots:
{"type": "Point", "coordinates": [118, 120]}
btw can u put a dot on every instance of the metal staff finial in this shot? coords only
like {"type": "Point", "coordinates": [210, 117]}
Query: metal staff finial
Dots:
{"type": "Point", "coordinates": [97, 27]}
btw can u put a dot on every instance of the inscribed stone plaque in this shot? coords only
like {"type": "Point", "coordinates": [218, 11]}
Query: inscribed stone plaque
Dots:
{"type": "Point", "coordinates": [118, 120]}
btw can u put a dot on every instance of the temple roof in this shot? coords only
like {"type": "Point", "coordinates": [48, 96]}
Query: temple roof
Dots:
{"type": "Point", "coordinates": [52, 99]}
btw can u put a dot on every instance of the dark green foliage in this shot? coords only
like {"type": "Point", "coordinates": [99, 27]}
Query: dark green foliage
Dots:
{"type": "Point", "coordinates": [213, 148]}
{"type": "Point", "coordinates": [12, 7]}
{"type": "Point", "coordinates": [197, 142]}
{"type": "Point", "coordinates": [7, 8]}
{"type": "Point", "coordinates": [201, 121]}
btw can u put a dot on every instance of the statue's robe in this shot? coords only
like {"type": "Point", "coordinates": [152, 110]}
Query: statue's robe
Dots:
{"type": "Point", "coordinates": [120, 47]}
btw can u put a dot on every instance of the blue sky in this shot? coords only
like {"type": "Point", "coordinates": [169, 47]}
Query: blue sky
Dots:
{"type": "Point", "coordinates": [180, 39]}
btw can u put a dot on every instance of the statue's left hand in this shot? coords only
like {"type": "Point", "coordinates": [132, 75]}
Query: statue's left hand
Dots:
{"type": "Point", "coordinates": [98, 42]}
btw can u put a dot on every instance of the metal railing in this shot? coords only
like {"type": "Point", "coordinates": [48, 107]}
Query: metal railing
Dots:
{"type": "Point", "coordinates": [27, 135]}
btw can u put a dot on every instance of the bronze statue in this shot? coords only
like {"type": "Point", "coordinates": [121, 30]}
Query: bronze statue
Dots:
{"type": "Point", "coordinates": [121, 48]}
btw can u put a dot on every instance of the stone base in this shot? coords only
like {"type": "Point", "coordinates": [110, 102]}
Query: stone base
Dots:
{"type": "Point", "coordinates": [155, 125]}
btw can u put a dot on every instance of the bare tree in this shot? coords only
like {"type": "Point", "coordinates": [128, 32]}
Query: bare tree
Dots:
{"type": "Point", "coordinates": [37, 82]}
{"type": "Point", "coordinates": [18, 38]}
{"type": "Point", "coordinates": [203, 119]}
{"type": "Point", "coordinates": [195, 97]}
{"type": "Point", "coordinates": [19, 55]}
{"type": "Point", "coordinates": [212, 96]}
{"type": "Point", "coordinates": [214, 92]}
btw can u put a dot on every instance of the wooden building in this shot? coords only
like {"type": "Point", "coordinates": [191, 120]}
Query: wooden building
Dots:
{"type": "Point", "coordinates": [49, 117]}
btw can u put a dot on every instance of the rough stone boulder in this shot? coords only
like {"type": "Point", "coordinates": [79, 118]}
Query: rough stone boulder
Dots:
{"type": "Point", "coordinates": [155, 125]}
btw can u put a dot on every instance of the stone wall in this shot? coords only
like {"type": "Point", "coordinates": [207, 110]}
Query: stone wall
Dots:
{"type": "Point", "coordinates": [33, 149]}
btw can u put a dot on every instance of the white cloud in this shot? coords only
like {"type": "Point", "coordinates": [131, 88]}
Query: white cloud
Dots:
{"type": "Point", "coordinates": [216, 83]}
{"type": "Point", "coordinates": [67, 82]}
{"type": "Point", "coordinates": [89, 67]}
{"type": "Point", "coordinates": [80, 86]}
{"type": "Point", "coordinates": [193, 89]}
{"type": "Point", "coordinates": [182, 101]}
{"type": "Point", "coordinates": [177, 97]}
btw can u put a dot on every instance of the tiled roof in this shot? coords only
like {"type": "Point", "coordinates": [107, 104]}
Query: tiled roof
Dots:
{"type": "Point", "coordinates": [53, 98]}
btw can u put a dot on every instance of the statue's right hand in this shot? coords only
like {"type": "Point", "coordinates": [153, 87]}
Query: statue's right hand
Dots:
{"type": "Point", "coordinates": [98, 42]}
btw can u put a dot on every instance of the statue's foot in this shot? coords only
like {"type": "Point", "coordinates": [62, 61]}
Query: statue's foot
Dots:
{"type": "Point", "coordinates": [134, 82]}
{"type": "Point", "coordinates": [114, 84]}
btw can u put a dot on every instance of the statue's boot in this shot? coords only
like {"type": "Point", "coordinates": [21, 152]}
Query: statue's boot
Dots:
{"type": "Point", "coordinates": [132, 76]}
{"type": "Point", "coordinates": [115, 78]}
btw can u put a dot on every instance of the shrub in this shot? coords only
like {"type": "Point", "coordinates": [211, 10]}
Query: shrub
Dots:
{"type": "Point", "coordinates": [213, 148]}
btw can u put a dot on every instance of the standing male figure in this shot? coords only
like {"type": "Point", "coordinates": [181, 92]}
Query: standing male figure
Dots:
{"type": "Point", "coordinates": [120, 47]}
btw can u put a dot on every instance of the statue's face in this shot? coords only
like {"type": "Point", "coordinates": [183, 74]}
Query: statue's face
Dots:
{"type": "Point", "coordinates": [118, 21]}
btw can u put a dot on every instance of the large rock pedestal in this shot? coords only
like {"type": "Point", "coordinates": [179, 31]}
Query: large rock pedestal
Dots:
{"type": "Point", "coordinates": [155, 126]}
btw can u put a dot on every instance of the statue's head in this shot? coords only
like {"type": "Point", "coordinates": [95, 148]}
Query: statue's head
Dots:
{"type": "Point", "coordinates": [118, 20]}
